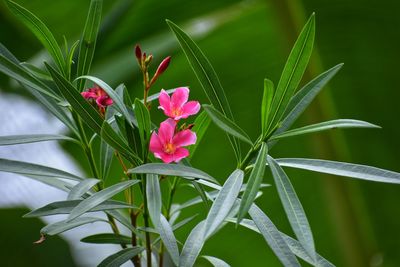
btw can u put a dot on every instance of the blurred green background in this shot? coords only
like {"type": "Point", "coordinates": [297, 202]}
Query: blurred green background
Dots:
{"type": "Point", "coordinates": [355, 223]}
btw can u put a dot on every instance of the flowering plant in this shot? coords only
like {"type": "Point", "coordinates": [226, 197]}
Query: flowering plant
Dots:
{"type": "Point", "coordinates": [126, 132]}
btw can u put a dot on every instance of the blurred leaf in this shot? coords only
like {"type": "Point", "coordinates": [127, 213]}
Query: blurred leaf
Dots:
{"type": "Point", "coordinates": [157, 95]}
{"type": "Point", "coordinates": [88, 40]}
{"type": "Point", "coordinates": [172, 170]}
{"type": "Point", "coordinates": [200, 127]}
{"type": "Point", "coordinates": [168, 238]}
{"type": "Point", "coordinates": [326, 125]}
{"type": "Point", "coordinates": [154, 200]}
{"type": "Point", "coordinates": [273, 237]}
{"type": "Point", "coordinates": [51, 181]}
{"type": "Point", "coordinates": [193, 245]}
{"type": "Point", "coordinates": [62, 226]}
{"type": "Point", "coordinates": [81, 188]}
{"type": "Point", "coordinates": [120, 257]}
{"type": "Point", "coordinates": [123, 219]}
{"type": "Point", "coordinates": [227, 125]}
{"type": "Point", "coordinates": [268, 95]}
{"type": "Point", "coordinates": [98, 198]}
{"type": "Point", "coordinates": [107, 238]}
{"type": "Point", "coordinates": [144, 124]}
{"type": "Point", "coordinates": [254, 182]}
{"type": "Point", "coordinates": [342, 169]}
{"type": "Point", "coordinates": [26, 168]}
{"type": "Point", "coordinates": [106, 158]}
{"type": "Point", "coordinates": [36, 72]}
{"type": "Point", "coordinates": [223, 203]}
{"type": "Point", "coordinates": [292, 72]}
{"type": "Point", "coordinates": [40, 30]}
{"type": "Point", "coordinates": [70, 58]}
{"type": "Point", "coordinates": [206, 75]}
{"type": "Point", "coordinates": [32, 138]}
{"type": "Point", "coordinates": [65, 207]}
{"type": "Point", "coordinates": [216, 262]}
{"type": "Point", "coordinates": [293, 208]}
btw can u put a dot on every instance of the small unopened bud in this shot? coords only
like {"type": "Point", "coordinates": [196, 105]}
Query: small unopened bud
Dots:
{"type": "Point", "coordinates": [138, 53]}
{"type": "Point", "coordinates": [148, 60]}
{"type": "Point", "coordinates": [161, 68]}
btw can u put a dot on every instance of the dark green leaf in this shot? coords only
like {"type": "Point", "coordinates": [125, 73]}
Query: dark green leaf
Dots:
{"type": "Point", "coordinates": [88, 41]}
{"type": "Point", "coordinates": [200, 127]}
{"type": "Point", "coordinates": [24, 139]}
{"type": "Point", "coordinates": [36, 72]}
{"type": "Point", "coordinates": [107, 238]}
{"type": "Point", "coordinates": [227, 125]}
{"type": "Point", "coordinates": [254, 182]}
{"type": "Point", "coordinates": [266, 104]}
{"type": "Point", "coordinates": [120, 257]}
{"type": "Point", "coordinates": [144, 124]}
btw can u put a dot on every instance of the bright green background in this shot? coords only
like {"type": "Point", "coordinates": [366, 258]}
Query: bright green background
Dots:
{"type": "Point", "coordinates": [354, 223]}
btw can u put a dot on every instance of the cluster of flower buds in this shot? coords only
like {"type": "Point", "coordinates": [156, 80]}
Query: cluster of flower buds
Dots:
{"type": "Point", "coordinates": [144, 62]}
{"type": "Point", "coordinates": [168, 145]}
{"type": "Point", "coordinates": [98, 98]}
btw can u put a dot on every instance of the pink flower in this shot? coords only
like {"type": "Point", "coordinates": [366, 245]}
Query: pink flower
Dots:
{"type": "Point", "coordinates": [177, 106]}
{"type": "Point", "coordinates": [168, 145]}
{"type": "Point", "coordinates": [97, 94]}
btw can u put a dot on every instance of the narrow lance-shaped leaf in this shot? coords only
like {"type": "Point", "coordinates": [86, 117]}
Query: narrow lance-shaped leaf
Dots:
{"type": "Point", "coordinates": [223, 203]}
{"type": "Point", "coordinates": [144, 125]}
{"type": "Point", "coordinates": [168, 238]}
{"type": "Point", "coordinates": [292, 72]}
{"type": "Point", "coordinates": [81, 188]}
{"type": "Point", "coordinates": [32, 138]}
{"type": "Point", "coordinates": [98, 198]}
{"type": "Point", "coordinates": [293, 208]}
{"type": "Point", "coordinates": [172, 170]}
{"type": "Point", "coordinates": [273, 237]}
{"type": "Point", "coordinates": [227, 125]}
{"type": "Point", "coordinates": [36, 72]}
{"type": "Point", "coordinates": [40, 30]}
{"type": "Point", "coordinates": [206, 75]}
{"type": "Point", "coordinates": [88, 41]}
{"type": "Point", "coordinates": [342, 169]}
{"type": "Point", "coordinates": [107, 238]}
{"type": "Point", "coordinates": [254, 182]}
{"type": "Point", "coordinates": [193, 245]}
{"type": "Point", "coordinates": [216, 262]}
{"type": "Point", "coordinates": [266, 104]}
{"type": "Point", "coordinates": [200, 127]}
{"type": "Point", "coordinates": [153, 194]}
{"type": "Point", "coordinates": [62, 226]}
{"type": "Point", "coordinates": [120, 257]}
{"type": "Point", "coordinates": [69, 60]}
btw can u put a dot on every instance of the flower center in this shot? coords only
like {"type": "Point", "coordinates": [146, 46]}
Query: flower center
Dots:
{"type": "Point", "coordinates": [176, 112]}
{"type": "Point", "coordinates": [169, 148]}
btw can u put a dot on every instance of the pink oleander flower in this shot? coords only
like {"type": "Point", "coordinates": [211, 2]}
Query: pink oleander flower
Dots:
{"type": "Point", "coordinates": [98, 95]}
{"type": "Point", "coordinates": [167, 145]}
{"type": "Point", "coordinates": [176, 106]}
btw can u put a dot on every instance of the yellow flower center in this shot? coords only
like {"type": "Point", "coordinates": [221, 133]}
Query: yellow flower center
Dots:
{"type": "Point", "coordinates": [176, 112]}
{"type": "Point", "coordinates": [169, 148]}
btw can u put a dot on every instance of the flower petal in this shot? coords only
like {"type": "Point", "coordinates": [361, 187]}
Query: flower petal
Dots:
{"type": "Point", "coordinates": [190, 108]}
{"type": "Point", "coordinates": [167, 158]}
{"type": "Point", "coordinates": [166, 131]}
{"type": "Point", "coordinates": [180, 97]}
{"type": "Point", "coordinates": [180, 153]}
{"type": "Point", "coordinates": [103, 101]}
{"type": "Point", "coordinates": [184, 138]}
{"type": "Point", "coordinates": [165, 102]}
{"type": "Point", "coordinates": [89, 95]}
{"type": "Point", "coordinates": [155, 144]}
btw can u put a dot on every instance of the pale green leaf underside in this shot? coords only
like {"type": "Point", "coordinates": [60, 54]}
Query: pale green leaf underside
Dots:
{"type": "Point", "coordinates": [32, 138]}
{"type": "Point", "coordinates": [120, 257]}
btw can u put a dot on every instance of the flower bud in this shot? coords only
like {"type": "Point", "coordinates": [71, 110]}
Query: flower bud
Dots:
{"type": "Point", "coordinates": [148, 60]}
{"type": "Point", "coordinates": [138, 53]}
{"type": "Point", "coordinates": [163, 66]}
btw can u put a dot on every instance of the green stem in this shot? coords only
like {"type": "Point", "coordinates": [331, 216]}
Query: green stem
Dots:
{"type": "Point", "coordinates": [146, 222]}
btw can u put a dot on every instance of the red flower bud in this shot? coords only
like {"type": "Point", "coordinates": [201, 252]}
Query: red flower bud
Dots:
{"type": "Point", "coordinates": [138, 53]}
{"type": "Point", "coordinates": [163, 66]}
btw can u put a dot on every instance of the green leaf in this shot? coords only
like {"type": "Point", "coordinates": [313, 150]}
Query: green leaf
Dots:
{"type": "Point", "coordinates": [216, 262]}
{"type": "Point", "coordinates": [120, 257]}
{"type": "Point", "coordinates": [273, 237]}
{"type": "Point", "coordinates": [107, 238]}
{"type": "Point", "coordinates": [227, 125]}
{"type": "Point", "coordinates": [292, 72]}
{"type": "Point", "coordinates": [88, 40]}
{"type": "Point", "coordinates": [266, 104]}
{"type": "Point", "coordinates": [172, 170]}
{"type": "Point", "coordinates": [81, 188]}
{"type": "Point", "coordinates": [223, 203]}
{"type": "Point", "coordinates": [36, 72]}
{"type": "Point", "coordinates": [168, 238]}
{"type": "Point", "coordinates": [200, 127]}
{"type": "Point", "coordinates": [293, 208]}
{"type": "Point", "coordinates": [65, 207]}
{"type": "Point", "coordinates": [342, 169]}
{"type": "Point", "coordinates": [144, 124]}
{"type": "Point", "coordinates": [154, 202]}
{"type": "Point", "coordinates": [123, 219]}
{"type": "Point", "coordinates": [206, 75]}
{"type": "Point", "coordinates": [254, 182]}
{"type": "Point", "coordinates": [32, 138]}
{"type": "Point", "coordinates": [326, 125]}
{"type": "Point", "coordinates": [193, 245]}
{"type": "Point", "coordinates": [26, 168]}
{"type": "Point", "coordinates": [99, 197]}
{"type": "Point", "coordinates": [18, 73]}
{"type": "Point", "coordinates": [62, 226]}
{"type": "Point", "coordinates": [40, 30]}
{"type": "Point", "coordinates": [70, 58]}
{"type": "Point", "coordinates": [51, 181]}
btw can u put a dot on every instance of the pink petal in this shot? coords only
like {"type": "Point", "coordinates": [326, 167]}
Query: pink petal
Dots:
{"type": "Point", "coordinates": [184, 138]}
{"type": "Point", "coordinates": [180, 97]}
{"type": "Point", "coordinates": [89, 95]}
{"type": "Point", "coordinates": [190, 108]}
{"type": "Point", "coordinates": [167, 158]}
{"type": "Point", "coordinates": [165, 102]}
{"type": "Point", "coordinates": [166, 130]}
{"type": "Point", "coordinates": [155, 145]}
{"type": "Point", "coordinates": [104, 101]}
{"type": "Point", "coordinates": [180, 153]}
